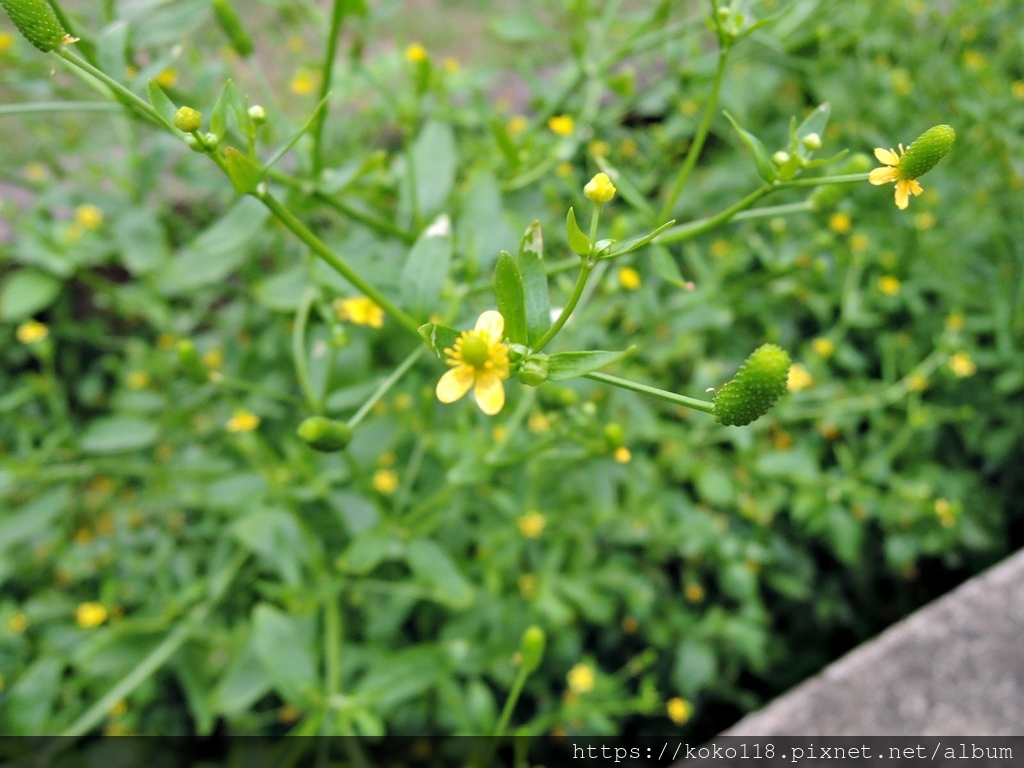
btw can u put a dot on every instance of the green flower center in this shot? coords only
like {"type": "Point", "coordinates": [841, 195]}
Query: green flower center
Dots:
{"type": "Point", "coordinates": [475, 351]}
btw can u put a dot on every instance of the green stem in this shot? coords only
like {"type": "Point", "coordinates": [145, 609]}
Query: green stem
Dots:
{"type": "Point", "coordinates": [299, 350]}
{"type": "Point", "coordinates": [581, 283]}
{"type": "Point", "coordinates": [644, 389]}
{"type": "Point", "coordinates": [846, 178]}
{"type": "Point", "coordinates": [698, 139]}
{"type": "Point", "coordinates": [785, 209]}
{"type": "Point", "coordinates": [332, 654]}
{"type": "Point", "coordinates": [155, 659]}
{"type": "Point", "coordinates": [318, 247]}
{"type": "Point", "coordinates": [127, 97]}
{"type": "Point", "coordinates": [510, 702]}
{"type": "Point", "coordinates": [58, 106]}
{"type": "Point", "coordinates": [326, 74]}
{"type": "Point", "coordinates": [694, 228]}
{"type": "Point", "coordinates": [86, 46]}
{"type": "Point", "coordinates": [385, 385]}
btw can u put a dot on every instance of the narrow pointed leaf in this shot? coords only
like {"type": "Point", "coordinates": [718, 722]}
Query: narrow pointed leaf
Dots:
{"type": "Point", "coordinates": [508, 293]}
{"type": "Point", "coordinates": [763, 161]}
{"type": "Point", "coordinates": [245, 175]}
{"type": "Point", "coordinates": [438, 337]}
{"type": "Point", "coordinates": [535, 281]}
{"type": "Point", "coordinates": [571, 365]}
{"type": "Point", "coordinates": [162, 104]}
{"type": "Point", "coordinates": [426, 268]}
{"type": "Point", "coordinates": [578, 241]}
{"type": "Point", "coordinates": [635, 243]}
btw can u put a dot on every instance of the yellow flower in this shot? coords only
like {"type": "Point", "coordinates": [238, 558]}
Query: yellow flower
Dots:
{"type": "Point", "coordinates": [562, 125]}
{"type": "Point", "coordinates": [119, 708]}
{"type": "Point", "coordinates": [137, 380]}
{"type": "Point", "coordinates": [840, 223]}
{"type": "Point", "coordinates": [962, 365]}
{"type": "Point", "coordinates": [17, 623]}
{"type": "Point", "coordinates": [679, 710]}
{"type": "Point", "coordinates": [31, 331]}
{"type": "Point", "coordinates": [167, 78]}
{"type": "Point", "coordinates": [924, 220]}
{"type": "Point", "coordinates": [359, 310]}
{"type": "Point", "coordinates": [599, 189]}
{"type": "Point", "coordinates": [917, 382]}
{"type": "Point", "coordinates": [581, 678]}
{"type": "Point", "coordinates": [622, 455]}
{"type": "Point", "coordinates": [479, 362]}
{"type": "Point", "coordinates": [823, 347]}
{"type": "Point", "coordinates": [859, 242]}
{"type": "Point", "coordinates": [1017, 89]}
{"type": "Point", "coordinates": [528, 586]}
{"type": "Point", "coordinates": [416, 53]}
{"type": "Point", "coordinates": [890, 173]}
{"type": "Point", "coordinates": [242, 421]}
{"type": "Point", "coordinates": [598, 148]}
{"type": "Point", "coordinates": [799, 378]}
{"type": "Point", "coordinates": [720, 248]}
{"type": "Point", "coordinates": [214, 358]}
{"type": "Point", "coordinates": [385, 481]}
{"type": "Point", "coordinates": [303, 83]}
{"type": "Point", "coordinates": [451, 65]}
{"type": "Point", "coordinates": [532, 524]}
{"type": "Point", "coordinates": [630, 625]}
{"type": "Point", "coordinates": [629, 278]}
{"type": "Point", "coordinates": [694, 592]}
{"type": "Point", "coordinates": [689, 107]}
{"type": "Point", "coordinates": [563, 170]}
{"type": "Point", "coordinates": [6, 42]}
{"type": "Point", "coordinates": [538, 423]}
{"type": "Point", "coordinates": [954, 321]}
{"type": "Point", "coordinates": [516, 125]}
{"type": "Point", "coordinates": [89, 216]}
{"type": "Point", "coordinates": [35, 172]}
{"type": "Point", "coordinates": [889, 285]}
{"type": "Point", "coordinates": [89, 615]}
{"type": "Point", "coordinates": [628, 148]}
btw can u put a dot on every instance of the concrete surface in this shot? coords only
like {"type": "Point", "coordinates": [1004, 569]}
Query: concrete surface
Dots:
{"type": "Point", "coordinates": [954, 667]}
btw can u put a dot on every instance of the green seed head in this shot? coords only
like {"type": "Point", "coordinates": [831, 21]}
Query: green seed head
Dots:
{"type": "Point", "coordinates": [930, 147]}
{"type": "Point", "coordinates": [754, 389]}
{"type": "Point", "coordinates": [37, 22]}
{"type": "Point", "coordinates": [323, 434]}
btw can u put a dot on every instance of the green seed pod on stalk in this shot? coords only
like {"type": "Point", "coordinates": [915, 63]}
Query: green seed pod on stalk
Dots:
{"type": "Point", "coordinates": [754, 389]}
{"type": "Point", "coordinates": [531, 649]}
{"type": "Point", "coordinates": [926, 150]}
{"type": "Point", "coordinates": [37, 22]}
{"type": "Point", "coordinates": [323, 434]}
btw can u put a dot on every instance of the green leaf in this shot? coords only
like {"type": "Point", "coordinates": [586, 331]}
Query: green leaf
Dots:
{"type": "Point", "coordinates": [434, 161]}
{"type": "Point", "coordinates": [635, 243]}
{"type": "Point", "coordinates": [283, 292]}
{"type": "Point", "coordinates": [112, 48]}
{"type": "Point", "coordinates": [763, 161]}
{"type": "Point", "coordinates": [508, 293]}
{"type": "Point", "coordinates": [696, 666]}
{"type": "Point", "coordinates": [28, 706]}
{"type": "Point", "coordinates": [370, 548]}
{"type": "Point", "coordinates": [163, 105]}
{"type": "Point", "coordinates": [245, 175]}
{"type": "Point", "coordinates": [504, 141]}
{"type": "Point", "coordinates": [426, 268]}
{"type": "Point", "coordinates": [482, 230]}
{"type": "Point", "coordinates": [244, 682]}
{"type": "Point", "coordinates": [24, 523]}
{"type": "Point", "coordinates": [816, 122]}
{"type": "Point", "coordinates": [219, 116]}
{"type": "Point", "coordinates": [276, 537]}
{"type": "Point", "coordinates": [399, 675]}
{"type": "Point", "coordinates": [284, 651]}
{"type": "Point", "coordinates": [141, 240]}
{"type": "Point", "coordinates": [535, 281]}
{"type": "Point", "coordinates": [117, 434]}
{"type": "Point", "coordinates": [277, 155]}
{"type": "Point", "coordinates": [578, 241]}
{"type": "Point", "coordinates": [571, 365]}
{"type": "Point", "coordinates": [26, 292]}
{"type": "Point", "coordinates": [666, 267]}
{"type": "Point", "coordinates": [432, 565]}
{"type": "Point", "coordinates": [438, 337]}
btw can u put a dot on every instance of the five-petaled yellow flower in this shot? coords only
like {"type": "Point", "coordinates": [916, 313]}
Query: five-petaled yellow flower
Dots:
{"type": "Point", "coordinates": [479, 362]}
{"type": "Point", "coordinates": [360, 310]}
{"type": "Point", "coordinates": [891, 172]}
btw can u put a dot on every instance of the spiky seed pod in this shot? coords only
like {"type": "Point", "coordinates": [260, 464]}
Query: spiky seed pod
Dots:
{"type": "Point", "coordinates": [754, 389]}
{"type": "Point", "coordinates": [927, 149]}
{"type": "Point", "coordinates": [37, 22]}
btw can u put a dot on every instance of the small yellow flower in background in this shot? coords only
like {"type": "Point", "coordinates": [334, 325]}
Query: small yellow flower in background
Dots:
{"type": "Point", "coordinates": [403, 402]}
{"type": "Point", "coordinates": [628, 148]}
{"type": "Point", "coordinates": [6, 42]}
{"type": "Point", "coordinates": [35, 172]}
{"type": "Point", "coordinates": [89, 216]}
{"type": "Point", "coordinates": [962, 365]}
{"type": "Point", "coordinates": [138, 380]}
{"type": "Point", "coordinates": [679, 710]}
{"type": "Point", "coordinates": [954, 321]}
{"type": "Point", "coordinates": [242, 421]}
{"type": "Point", "coordinates": [889, 285]}
{"type": "Point", "coordinates": [416, 53]}
{"type": "Point", "coordinates": [167, 78]}
{"type": "Point", "coordinates": [563, 170]}
{"type": "Point", "coordinates": [720, 248]}
{"type": "Point", "coordinates": [1017, 89]}
{"type": "Point", "coordinates": [538, 423]}
{"type": "Point", "coordinates": [359, 310]}
{"type": "Point", "coordinates": [385, 481]}
{"type": "Point", "coordinates": [689, 107]}
{"type": "Point", "coordinates": [498, 434]}
{"type": "Point", "coordinates": [73, 233]}
{"type": "Point", "coordinates": [562, 125]}
{"type": "Point", "coordinates": [924, 220]}
{"type": "Point", "coordinates": [119, 708]}
{"type": "Point", "coordinates": [901, 82]}
{"type": "Point", "coordinates": [694, 592]}
{"type": "Point", "coordinates": [527, 586]}
{"type": "Point", "coordinates": [859, 242]}
{"type": "Point", "coordinates": [387, 459]}
{"type": "Point", "coordinates": [296, 44]}
{"type": "Point", "coordinates": [303, 83]}
{"type": "Point", "coordinates": [117, 728]}
{"type": "Point", "coordinates": [17, 623]}
{"type": "Point", "coordinates": [166, 341]}
{"type": "Point", "coordinates": [479, 362]}
{"type": "Point", "coordinates": [823, 347]}
{"type": "Point", "coordinates": [532, 524]}
{"type": "Point", "coordinates": [629, 278]}
{"type": "Point", "coordinates": [630, 625]}
{"type": "Point", "coordinates": [599, 189]}
{"type": "Point", "coordinates": [622, 455]}
{"type": "Point", "coordinates": [917, 382]}
{"type": "Point", "coordinates": [214, 358]}
{"type": "Point", "coordinates": [840, 223]}
{"type": "Point", "coordinates": [451, 65]}
{"type": "Point", "coordinates": [517, 124]}
{"type": "Point", "coordinates": [32, 331]}
{"type": "Point", "coordinates": [799, 378]}
{"type": "Point", "coordinates": [89, 615]}
{"type": "Point", "coordinates": [598, 148]}
{"type": "Point", "coordinates": [581, 678]}
{"type": "Point", "coordinates": [974, 59]}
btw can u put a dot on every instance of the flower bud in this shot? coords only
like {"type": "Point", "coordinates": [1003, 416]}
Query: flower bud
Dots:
{"type": "Point", "coordinates": [37, 22]}
{"type": "Point", "coordinates": [190, 362]}
{"type": "Point", "coordinates": [323, 434]}
{"type": "Point", "coordinates": [257, 114]}
{"type": "Point", "coordinates": [754, 389]}
{"type": "Point", "coordinates": [533, 371]}
{"type": "Point", "coordinates": [614, 436]}
{"type": "Point", "coordinates": [812, 141]}
{"type": "Point", "coordinates": [599, 189]}
{"type": "Point", "coordinates": [781, 157]}
{"type": "Point", "coordinates": [531, 649]}
{"type": "Point", "coordinates": [188, 120]}
{"type": "Point", "coordinates": [927, 149]}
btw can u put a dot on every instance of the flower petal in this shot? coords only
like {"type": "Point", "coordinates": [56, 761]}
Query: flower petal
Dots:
{"type": "Point", "coordinates": [883, 176]}
{"type": "Point", "coordinates": [887, 156]}
{"type": "Point", "coordinates": [493, 324]}
{"type": "Point", "coordinates": [915, 187]}
{"type": "Point", "coordinates": [455, 383]}
{"type": "Point", "coordinates": [489, 393]}
{"type": "Point", "coordinates": [902, 194]}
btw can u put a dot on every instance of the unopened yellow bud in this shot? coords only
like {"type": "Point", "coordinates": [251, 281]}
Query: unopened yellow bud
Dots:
{"type": "Point", "coordinates": [599, 189]}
